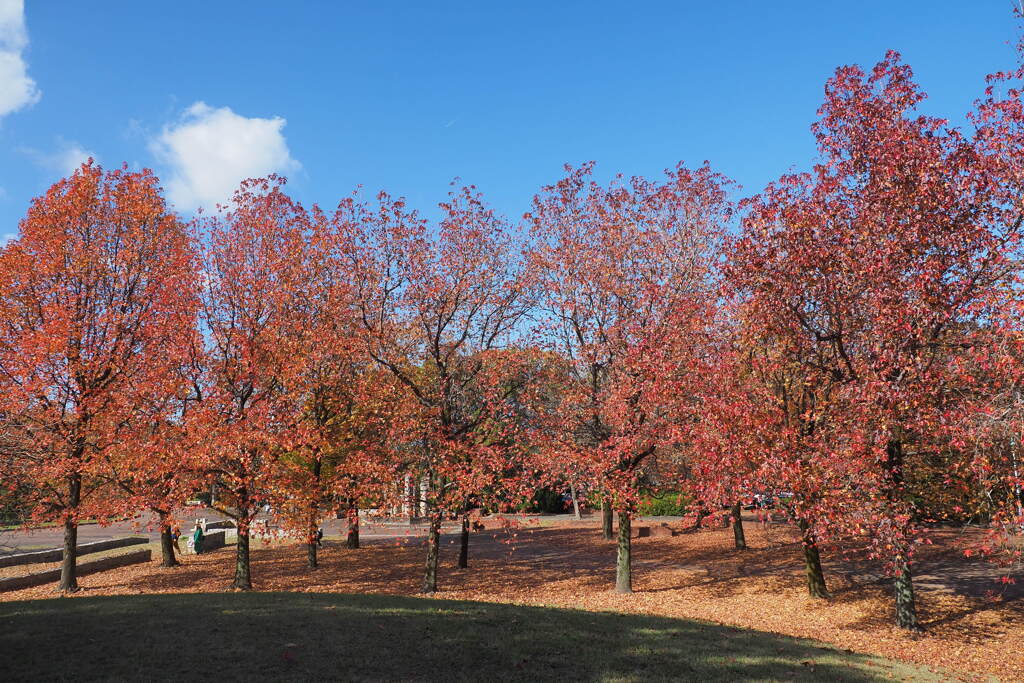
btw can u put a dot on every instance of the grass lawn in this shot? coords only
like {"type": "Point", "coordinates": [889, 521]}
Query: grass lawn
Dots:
{"type": "Point", "coordinates": [297, 636]}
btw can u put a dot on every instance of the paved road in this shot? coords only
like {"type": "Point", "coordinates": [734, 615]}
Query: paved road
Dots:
{"type": "Point", "coordinates": [19, 541]}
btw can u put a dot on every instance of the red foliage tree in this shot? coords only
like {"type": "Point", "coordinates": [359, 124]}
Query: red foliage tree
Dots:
{"type": "Point", "coordinates": [253, 276]}
{"type": "Point", "coordinates": [433, 309]}
{"type": "Point", "coordinates": [876, 271]}
{"type": "Point", "coordinates": [626, 276]}
{"type": "Point", "coordinates": [97, 306]}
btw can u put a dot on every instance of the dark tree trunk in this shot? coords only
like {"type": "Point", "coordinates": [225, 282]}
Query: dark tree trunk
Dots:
{"type": "Point", "coordinates": [167, 558]}
{"type": "Point", "coordinates": [433, 550]}
{"type": "Point", "coordinates": [624, 560]}
{"type": "Point", "coordinates": [243, 574]}
{"type": "Point", "coordinates": [816, 587]}
{"type": "Point", "coordinates": [575, 501]}
{"type": "Point", "coordinates": [313, 540]}
{"type": "Point", "coordinates": [737, 527]}
{"type": "Point", "coordinates": [702, 512]}
{"type": "Point", "coordinates": [906, 608]}
{"type": "Point", "coordinates": [69, 566]}
{"type": "Point", "coordinates": [352, 538]}
{"type": "Point", "coordinates": [464, 543]}
{"type": "Point", "coordinates": [606, 518]}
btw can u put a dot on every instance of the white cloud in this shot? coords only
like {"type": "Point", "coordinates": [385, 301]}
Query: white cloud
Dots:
{"type": "Point", "coordinates": [71, 157]}
{"type": "Point", "coordinates": [208, 151]}
{"type": "Point", "coordinates": [17, 90]}
{"type": "Point", "coordinates": [68, 157]}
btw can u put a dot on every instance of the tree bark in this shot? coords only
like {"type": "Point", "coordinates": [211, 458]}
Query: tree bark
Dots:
{"type": "Point", "coordinates": [433, 550]}
{"type": "Point", "coordinates": [69, 565]}
{"type": "Point", "coordinates": [906, 608]}
{"type": "Point", "coordinates": [606, 518]}
{"type": "Point", "coordinates": [352, 538]}
{"type": "Point", "coordinates": [702, 512]}
{"type": "Point", "coordinates": [312, 561]}
{"type": "Point", "coordinates": [575, 501]}
{"type": "Point", "coordinates": [464, 543]}
{"type": "Point", "coordinates": [816, 587]}
{"type": "Point", "coordinates": [737, 527]}
{"type": "Point", "coordinates": [243, 574]}
{"type": "Point", "coordinates": [624, 560]}
{"type": "Point", "coordinates": [167, 558]}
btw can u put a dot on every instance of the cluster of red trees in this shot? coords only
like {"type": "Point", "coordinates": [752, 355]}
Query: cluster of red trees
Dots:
{"type": "Point", "coordinates": [850, 337]}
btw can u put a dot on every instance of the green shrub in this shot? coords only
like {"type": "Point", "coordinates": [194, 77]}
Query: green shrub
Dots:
{"type": "Point", "coordinates": [545, 500]}
{"type": "Point", "coordinates": [668, 503]}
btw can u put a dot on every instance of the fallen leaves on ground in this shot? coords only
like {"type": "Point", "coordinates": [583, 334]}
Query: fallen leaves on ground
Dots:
{"type": "Point", "coordinates": [697, 576]}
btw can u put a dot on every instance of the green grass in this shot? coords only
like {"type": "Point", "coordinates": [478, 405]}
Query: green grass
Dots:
{"type": "Point", "coordinates": [296, 636]}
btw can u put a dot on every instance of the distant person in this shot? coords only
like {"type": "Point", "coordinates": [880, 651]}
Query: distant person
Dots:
{"type": "Point", "coordinates": [320, 536]}
{"type": "Point", "coordinates": [175, 535]}
{"type": "Point", "coordinates": [197, 539]}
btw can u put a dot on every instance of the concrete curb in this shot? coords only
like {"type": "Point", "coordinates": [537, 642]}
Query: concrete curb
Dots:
{"type": "Point", "coordinates": [56, 554]}
{"type": "Point", "coordinates": [14, 583]}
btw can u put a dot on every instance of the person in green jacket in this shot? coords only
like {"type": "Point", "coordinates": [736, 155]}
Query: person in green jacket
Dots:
{"type": "Point", "coordinates": [197, 539]}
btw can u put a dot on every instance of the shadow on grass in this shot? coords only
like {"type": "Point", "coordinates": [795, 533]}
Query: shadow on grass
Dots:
{"type": "Point", "coordinates": [294, 636]}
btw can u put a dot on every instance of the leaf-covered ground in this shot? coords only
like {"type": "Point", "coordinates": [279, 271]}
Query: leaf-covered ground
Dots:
{"type": "Point", "coordinates": [696, 576]}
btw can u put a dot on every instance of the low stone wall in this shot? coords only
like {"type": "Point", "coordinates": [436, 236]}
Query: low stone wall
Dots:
{"type": "Point", "coordinates": [57, 554]}
{"type": "Point", "coordinates": [213, 540]}
{"type": "Point", "coordinates": [14, 583]}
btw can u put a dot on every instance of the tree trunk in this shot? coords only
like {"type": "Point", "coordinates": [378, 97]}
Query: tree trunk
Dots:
{"type": "Point", "coordinates": [352, 538]}
{"type": "Point", "coordinates": [906, 609]}
{"type": "Point", "coordinates": [243, 575]}
{"type": "Point", "coordinates": [312, 536]}
{"type": "Point", "coordinates": [464, 543]}
{"type": "Point", "coordinates": [702, 512]}
{"type": "Point", "coordinates": [816, 587]}
{"type": "Point", "coordinates": [410, 499]}
{"type": "Point", "coordinates": [167, 558]}
{"type": "Point", "coordinates": [737, 527]}
{"type": "Point", "coordinates": [69, 566]}
{"type": "Point", "coordinates": [575, 501]}
{"type": "Point", "coordinates": [606, 518]}
{"type": "Point", "coordinates": [624, 561]}
{"type": "Point", "coordinates": [433, 550]}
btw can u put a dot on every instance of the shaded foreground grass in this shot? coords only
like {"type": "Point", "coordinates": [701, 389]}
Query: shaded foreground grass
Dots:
{"type": "Point", "coordinates": [299, 636]}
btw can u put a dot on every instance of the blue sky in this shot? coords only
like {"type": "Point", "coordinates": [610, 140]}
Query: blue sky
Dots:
{"type": "Point", "coordinates": [405, 96]}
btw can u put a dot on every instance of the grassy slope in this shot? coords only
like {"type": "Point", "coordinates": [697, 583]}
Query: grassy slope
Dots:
{"type": "Point", "coordinates": [296, 636]}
